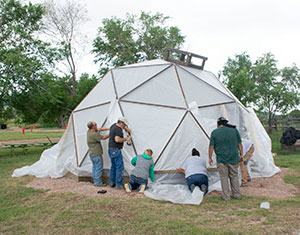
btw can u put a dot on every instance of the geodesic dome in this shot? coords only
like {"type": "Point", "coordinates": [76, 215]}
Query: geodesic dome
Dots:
{"type": "Point", "coordinates": [170, 108]}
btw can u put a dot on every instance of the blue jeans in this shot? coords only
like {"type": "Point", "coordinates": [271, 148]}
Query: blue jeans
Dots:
{"type": "Point", "coordinates": [197, 180]}
{"type": "Point", "coordinates": [97, 169]}
{"type": "Point", "coordinates": [136, 182]}
{"type": "Point", "coordinates": [117, 167]}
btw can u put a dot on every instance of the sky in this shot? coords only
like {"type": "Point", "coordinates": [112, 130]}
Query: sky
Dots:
{"type": "Point", "coordinates": [217, 29]}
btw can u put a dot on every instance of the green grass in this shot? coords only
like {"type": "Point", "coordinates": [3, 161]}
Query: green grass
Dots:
{"type": "Point", "coordinates": [17, 135]}
{"type": "Point", "coordinates": [29, 211]}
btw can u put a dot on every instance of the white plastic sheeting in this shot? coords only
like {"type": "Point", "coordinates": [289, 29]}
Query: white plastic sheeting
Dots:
{"type": "Point", "coordinates": [174, 193]}
{"type": "Point", "coordinates": [170, 109]}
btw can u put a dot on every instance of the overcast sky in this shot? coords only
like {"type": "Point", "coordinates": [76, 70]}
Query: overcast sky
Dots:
{"type": "Point", "coordinates": [217, 29]}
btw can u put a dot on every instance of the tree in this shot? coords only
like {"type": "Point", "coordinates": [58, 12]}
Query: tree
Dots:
{"type": "Point", "coordinates": [63, 24]}
{"type": "Point", "coordinates": [262, 84]}
{"type": "Point", "coordinates": [237, 74]}
{"type": "Point", "coordinates": [274, 93]}
{"type": "Point", "coordinates": [125, 41]}
{"type": "Point", "coordinates": [23, 57]}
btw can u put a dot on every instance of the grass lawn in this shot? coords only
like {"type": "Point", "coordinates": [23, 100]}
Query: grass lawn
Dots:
{"type": "Point", "coordinates": [29, 211]}
{"type": "Point", "coordinates": [36, 134]}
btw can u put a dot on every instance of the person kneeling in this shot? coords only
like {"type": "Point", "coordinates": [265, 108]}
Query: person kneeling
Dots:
{"type": "Point", "coordinates": [144, 168]}
{"type": "Point", "coordinates": [195, 172]}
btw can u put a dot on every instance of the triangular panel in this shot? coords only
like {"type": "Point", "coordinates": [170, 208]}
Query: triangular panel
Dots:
{"type": "Point", "coordinates": [151, 126]}
{"type": "Point", "coordinates": [208, 116]}
{"type": "Point", "coordinates": [103, 92]}
{"type": "Point", "coordinates": [188, 136]}
{"type": "Point", "coordinates": [209, 78]}
{"type": "Point", "coordinates": [97, 114]}
{"type": "Point", "coordinates": [127, 79]}
{"type": "Point", "coordinates": [201, 92]}
{"type": "Point", "coordinates": [164, 89]}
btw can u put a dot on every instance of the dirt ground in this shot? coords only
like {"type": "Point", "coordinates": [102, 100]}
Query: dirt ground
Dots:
{"type": "Point", "coordinates": [272, 187]}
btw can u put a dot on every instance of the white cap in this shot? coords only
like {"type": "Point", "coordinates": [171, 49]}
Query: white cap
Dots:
{"type": "Point", "coordinates": [123, 119]}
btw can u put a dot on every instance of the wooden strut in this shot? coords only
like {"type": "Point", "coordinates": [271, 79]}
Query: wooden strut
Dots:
{"type": "Point", "coordinates": [181, 88]}
{"type": "Point", "coordinates": [169, 140]}
{"type": "Point", "coordinates": [199, 124]}
{"type": "Point", "coordinates": [212, 105]}
{"type": "Point", "coordinates": [91, 107]}
{"type": "Point", "coordinates": [174, 171]}
{"type": "Point", "coordinates": [157, 105]}
{"type": "Point", "coordinates": [75, 140]}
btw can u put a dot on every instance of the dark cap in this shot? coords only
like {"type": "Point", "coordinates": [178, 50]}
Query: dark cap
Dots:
{"type": "Point", "coordinates": [222, 121]}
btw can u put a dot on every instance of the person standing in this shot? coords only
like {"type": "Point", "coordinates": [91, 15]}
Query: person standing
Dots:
{"type": "Point", "coordinates": [144, 167]}
{"type": "Point", "coordinates": [195, 172]}
{"type": "Point", "coordinates": [248, 149]}
{"type": "Point", "coordinates": [95, 151]}
{"type": "Point", "coordinates": [115, 145]}
{"type": "Point", "coordinates": [226, 142]}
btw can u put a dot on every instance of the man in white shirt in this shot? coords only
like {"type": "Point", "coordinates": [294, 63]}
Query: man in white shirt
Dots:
{"type": "Point", "coordinates": [195, 172]}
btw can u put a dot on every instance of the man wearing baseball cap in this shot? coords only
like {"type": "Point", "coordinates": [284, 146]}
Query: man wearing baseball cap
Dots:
{"type": "Point", "coordinates": [226, 142]}
{"type": "Point", "coordinates": [115, 144]}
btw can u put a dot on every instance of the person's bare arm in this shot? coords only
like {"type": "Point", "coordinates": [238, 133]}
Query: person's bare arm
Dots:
{"type": "Point", "coordinates": [241, 150]}
{"type": "Point", "coordinates": [210, 152]}
{"type": "Point", "coordinates": [105, 137]}
{"type": "Point", "coordinates": [127, 129]}
{"type": "Point", "coordinates": [118, 139]}
{"type": "Point", "coordinates": [103, 129]}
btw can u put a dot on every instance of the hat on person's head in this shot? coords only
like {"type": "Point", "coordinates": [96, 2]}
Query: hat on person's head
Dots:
{"type": "Point", "coordinates": [222, 120]}
{"type": "Point", "coordinates": [123, 119]}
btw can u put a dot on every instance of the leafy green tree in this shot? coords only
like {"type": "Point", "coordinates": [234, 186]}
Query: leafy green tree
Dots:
{"type": "Point", "coordinates": [273, 90]}
{"type": "Point", "coordinates": [237, 75]}
{"type": "Point", "coordinates": [134, 39]}
{"type": "Point", "coordinates": [23, 57]}
{"type": "Point", "coordinates": [262, 84]}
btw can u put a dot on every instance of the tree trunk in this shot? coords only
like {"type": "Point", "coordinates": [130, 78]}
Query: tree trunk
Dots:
{"type": "Point", "coordinates": [270, 123]}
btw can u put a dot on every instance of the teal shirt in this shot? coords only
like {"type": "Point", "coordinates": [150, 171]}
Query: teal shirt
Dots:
{"type": "Point", "coordinates": [226, 144]}
{"type": "Point", "coordinates": [151, 168]}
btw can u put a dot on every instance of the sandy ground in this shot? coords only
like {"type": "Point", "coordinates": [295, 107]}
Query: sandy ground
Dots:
{"type": "Point", "coordinates": [272, 187]}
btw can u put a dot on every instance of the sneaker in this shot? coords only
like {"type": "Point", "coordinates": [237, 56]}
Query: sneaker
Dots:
{"type": "Point", "coordinates": [112, 185]}
{"type": "Point", "coordinates": [127, 189]}
{"type": "Point", "coordinates": [193, 187]}
{"type": "Point", "coordinates": [142, 189]}
{"type": "Point", "coordinates": [119, 187]}
{"type": "Point", "coordinates": [100, 185]}
{"type": "Point", "coordinates": [225, 199]}
{"type": "Point", "coordinates": [203, 188]}
{"type": "Point", "coordinates": [244, 185]}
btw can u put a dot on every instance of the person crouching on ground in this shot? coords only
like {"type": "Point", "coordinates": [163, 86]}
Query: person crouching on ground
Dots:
{"type": "Point", "coordinates": [95, 151]}
{"type": "Point", "coordinates": [144, 167]}
{"type": "Point", "coordinates": [195, 172]}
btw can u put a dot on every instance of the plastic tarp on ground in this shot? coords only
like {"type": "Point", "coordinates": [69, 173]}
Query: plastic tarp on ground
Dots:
{"type": "Point", "coordinates": [170, 109]}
